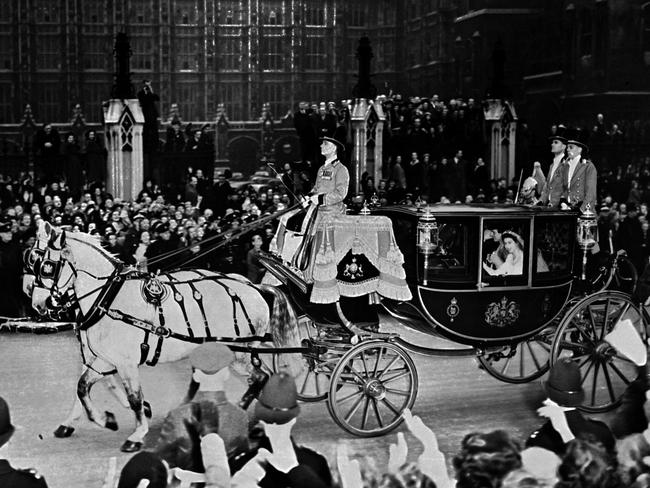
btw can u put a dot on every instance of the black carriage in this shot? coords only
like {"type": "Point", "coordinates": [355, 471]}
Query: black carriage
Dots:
{"type": "Point", "coordinates": [517, 315]}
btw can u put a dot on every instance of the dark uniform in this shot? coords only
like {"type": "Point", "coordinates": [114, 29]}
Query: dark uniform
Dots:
{"type": "Point", "coordinates": [312, 469]}
{"type": "Point", "coordinates": [19, 478]}
{"type": "Point", "coordinates": [582, 428]}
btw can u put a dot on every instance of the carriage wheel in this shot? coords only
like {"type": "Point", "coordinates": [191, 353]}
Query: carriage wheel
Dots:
{"type": "Point", "coordinates": [371, 386]}
{"type": "Point", "coordinates": [313, 381]}
{"type": "Point", "coordinates": [521, 362]}
{"type": "Point", "coordinates": [604, 371]}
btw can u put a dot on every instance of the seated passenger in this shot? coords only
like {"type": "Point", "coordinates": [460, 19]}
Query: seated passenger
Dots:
{"type": "Point", "coordinates": [514, 262]}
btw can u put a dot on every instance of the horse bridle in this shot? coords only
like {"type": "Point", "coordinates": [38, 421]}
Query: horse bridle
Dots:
{"type": "Point", "coordinates": [51, 269]}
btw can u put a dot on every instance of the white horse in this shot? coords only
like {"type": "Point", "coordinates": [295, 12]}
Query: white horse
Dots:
{"type": "Point", "coordinates": [32, 260]}
{"type": "Point", "coordinates": [126, 319]}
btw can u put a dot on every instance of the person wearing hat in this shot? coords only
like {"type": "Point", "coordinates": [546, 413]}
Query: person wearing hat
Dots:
{"type": "Point", "coordinates": [162, 246]}
{"type": "Point", "coordinates": [553, 189]}
{"type": "Point", "coordinates": [278, 461]}
{"type": "Point", "coordinates": [333, 178]}
{"type": "Point", "coordinates": [10, 476]}
{"type": "Point", "coordinates": [528, 193]}
{"type": "Point", "coordinates": [582, 174]}
{"type": "Point", "coordinates": [330, 189]}
{"type": "Point", "coordinates": [208, 412]}
{"type": "Point", "coordinates": [564, 393]}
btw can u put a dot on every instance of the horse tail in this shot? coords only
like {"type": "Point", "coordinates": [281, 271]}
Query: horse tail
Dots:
{"type": "Point", "coordinates": [283, 322]}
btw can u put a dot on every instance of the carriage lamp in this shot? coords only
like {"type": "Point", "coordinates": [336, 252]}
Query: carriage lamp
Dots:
{"type": "Point", "coordinates": [427, 232]}
{"type": "Point", "coordinates": [586, 235]}
{"type": "Point", "coordinates": [586, 232]}
{"type": "Point", "coordinates": [427, 240]}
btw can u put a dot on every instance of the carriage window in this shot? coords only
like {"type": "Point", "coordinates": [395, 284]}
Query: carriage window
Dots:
{"type": "Point", "coordinates": [454, 257]}
{"type": "Point", "coordinates": [553, 245]}
{"type": "Point", "coordinates": [505, 251]}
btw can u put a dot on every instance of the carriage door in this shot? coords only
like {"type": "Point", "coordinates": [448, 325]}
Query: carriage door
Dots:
{"type": "Point", "coordinates": [505, 253]}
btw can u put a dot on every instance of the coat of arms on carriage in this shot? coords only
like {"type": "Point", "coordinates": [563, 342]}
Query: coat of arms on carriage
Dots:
{"type": "Point", "coordinates": [502, 313]}
{"type": "Point", "coordinates": [153, 291]}
{"type": "Point", "coordinates": [453, 309]}
{"type": "Point", "coordinates": [353, 270]}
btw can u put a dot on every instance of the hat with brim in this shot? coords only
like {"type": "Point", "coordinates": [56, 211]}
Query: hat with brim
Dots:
{"type": "Point", "coordinates": [564, 385]}
{"type": "Point", "coordinates": [339, 146]}
{"type": "Point", "coordinates": [577, 137]}
{"type": "Point", "coordinates": [560, 134]}
{"type": "Point", "coordinates": [6, 428]}
{"type": "Point", "coordinates": [278, 402]}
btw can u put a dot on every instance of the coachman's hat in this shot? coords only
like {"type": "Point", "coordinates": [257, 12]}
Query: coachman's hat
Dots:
{"type": "Point", "coordinates": [564, 385]}
{"type": "Point", "coordinates": [211, 357]}
{"type": "Point", "coordinates": [278, 402]}
{"type": "Point", "coordinates": [339, 145]}
{"type": "Point", "coordinates": [6, 429]}
{"type": "Point", "coordinates": [560, 134]}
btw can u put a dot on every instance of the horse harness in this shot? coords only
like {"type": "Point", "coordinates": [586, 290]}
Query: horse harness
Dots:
{"type": "Point", "coordinates": [155, 293]}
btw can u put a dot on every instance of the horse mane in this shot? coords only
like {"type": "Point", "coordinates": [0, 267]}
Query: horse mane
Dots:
{"type": "Point", "coordinates": [94, 242]}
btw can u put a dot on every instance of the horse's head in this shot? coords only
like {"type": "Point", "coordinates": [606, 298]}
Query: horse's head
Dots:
{"type": "Point", "coordinates": [54, 274]}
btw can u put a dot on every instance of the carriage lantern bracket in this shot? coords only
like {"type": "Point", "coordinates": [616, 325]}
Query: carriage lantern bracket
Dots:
{"type": "Point", "coordinates": [427, 239]}
{"type": "Point", "coordinates": [586, 235]}
{"type": "Point", "coordinates": [427, 232]}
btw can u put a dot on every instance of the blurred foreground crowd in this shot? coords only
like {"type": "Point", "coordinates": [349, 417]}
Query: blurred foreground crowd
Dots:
{"type": "Point", "coordinates": [210, 439]}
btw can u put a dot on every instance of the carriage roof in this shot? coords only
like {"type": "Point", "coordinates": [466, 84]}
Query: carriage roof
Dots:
{"type": "Point", "coordinates": [476, 209]}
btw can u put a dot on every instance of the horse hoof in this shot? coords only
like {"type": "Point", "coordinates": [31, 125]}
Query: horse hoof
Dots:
{"type": "Point", "coordinates": [130, 446]}
{"type": "Point", "coordinates": [63, 431]}
{"type": "Point", "coordinates": [147, 409]}
{"type": "Point", "coordinates": [111, 423]}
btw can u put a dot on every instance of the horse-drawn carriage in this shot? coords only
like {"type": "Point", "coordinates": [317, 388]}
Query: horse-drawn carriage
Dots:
{"type": "Point", "coordinates": [498, 280]}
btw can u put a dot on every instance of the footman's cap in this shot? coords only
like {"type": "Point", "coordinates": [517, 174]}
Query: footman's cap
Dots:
{"type": "Point", "coordinates": [560, 134]}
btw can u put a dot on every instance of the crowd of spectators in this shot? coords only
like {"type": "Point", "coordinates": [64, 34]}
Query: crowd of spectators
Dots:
{"type": "Point", "coordinates": [206, 225]}
{"type": "Point", "coordinates": [210, 439]}
{"type": "Point", "coordinates": [442, 151]}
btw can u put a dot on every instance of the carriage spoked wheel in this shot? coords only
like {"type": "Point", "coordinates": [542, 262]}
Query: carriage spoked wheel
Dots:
{"type": "Point", "coordinates": [521, 362]}
{"type": "Point", "coordinates": [605, 372]}
{"type": "Point", "coordinates": [313, 381]}
{"type": "Point", "coordinates": [371, 386]}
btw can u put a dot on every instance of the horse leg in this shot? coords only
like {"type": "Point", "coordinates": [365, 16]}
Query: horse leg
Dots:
{"type": "Point", "coordinates": [131, 381]}
{"type": "Point", "coordinates": [86, 381]}
{"type": "Point", "coordinates": [65, 429]}
{"type": "Point", "coordinates": [116, 390]}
